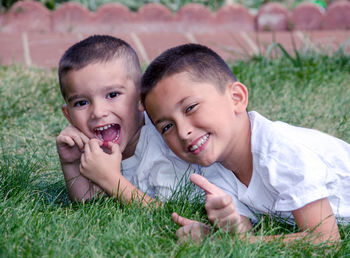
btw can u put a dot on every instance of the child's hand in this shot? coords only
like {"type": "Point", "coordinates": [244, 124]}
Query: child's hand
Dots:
{"type": "Point", "coordinates": [70, 144]}
{"type": "Point", "coordinates": [99, 166]}
{"type": "Point", "coordinates": [219, 206]}
{"type": "Point", "coordinates": [190, 229]}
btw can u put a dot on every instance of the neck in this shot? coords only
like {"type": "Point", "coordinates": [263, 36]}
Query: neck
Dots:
{"type": "Point", "coordinates": [239, 159]}
{"type": "Point", "coordinates": [131, 146]}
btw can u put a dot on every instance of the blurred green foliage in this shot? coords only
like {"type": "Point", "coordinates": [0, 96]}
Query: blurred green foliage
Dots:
{"type": "Point", "coordinates": [173, 5]}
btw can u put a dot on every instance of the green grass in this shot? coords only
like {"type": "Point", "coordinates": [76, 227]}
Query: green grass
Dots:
{"type": "Point", "coordinates": [37, 220]}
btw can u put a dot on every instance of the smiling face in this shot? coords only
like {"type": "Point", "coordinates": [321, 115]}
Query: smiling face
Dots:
{"type": "Point", "coordinates": [199, 123]}
{"type": "Point", "coordinates": [102, 102]}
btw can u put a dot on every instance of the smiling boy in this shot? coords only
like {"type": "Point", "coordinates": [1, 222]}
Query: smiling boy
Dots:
{"type": "Point", "coordinates": [298, 174]}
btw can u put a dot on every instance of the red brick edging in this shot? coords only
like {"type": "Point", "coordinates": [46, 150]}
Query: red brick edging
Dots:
{"type": "Point", "coordinates": [70, 17]}
{"type": "Point", "coordinates": [32, 35]}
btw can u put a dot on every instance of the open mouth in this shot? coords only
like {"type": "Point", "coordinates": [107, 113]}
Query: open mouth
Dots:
{"type": "Point", "coordinates": [108, 133]}
{"type": "Point", "coordinates": [197, 147]}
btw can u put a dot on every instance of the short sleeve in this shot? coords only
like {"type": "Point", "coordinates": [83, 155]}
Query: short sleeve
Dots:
{"type": "Point", "coordinates": [296, 179]}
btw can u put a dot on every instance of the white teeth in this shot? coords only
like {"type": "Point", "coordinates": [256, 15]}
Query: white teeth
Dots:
{"type": "Point", "coordinates": [200, 143]}
{"type": "Point", "coordinates": [100, 129]}
{"type": "Point", "coordinates": [116, 138]}
{"type": "Point", "coordinates": [104, 127]}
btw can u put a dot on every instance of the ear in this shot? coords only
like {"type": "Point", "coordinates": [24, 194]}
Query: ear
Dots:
{"type": "Point", "coordinates": [239, 96]}
{"type": "Point", "coordinates": [141, 107]}
{"type": "Point", "coordinates": [66, 113]}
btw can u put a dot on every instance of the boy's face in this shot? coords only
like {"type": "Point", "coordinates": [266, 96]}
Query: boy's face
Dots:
{"type": "Point", "coordinates": [199, 123]}
{"type": "Point", "coordinates": [102, 102]}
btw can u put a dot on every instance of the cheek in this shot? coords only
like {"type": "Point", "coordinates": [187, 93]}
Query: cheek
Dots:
{"type": "Point", "coordinates": [79, 120]}
{"type": "Point", "coordinates": [173, 143]}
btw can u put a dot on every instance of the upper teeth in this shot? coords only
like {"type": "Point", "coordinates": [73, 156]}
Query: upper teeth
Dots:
{"type": "Point", "coordinates": [199, 143]}
{"type": "Point", "coordinates": [103, 127]}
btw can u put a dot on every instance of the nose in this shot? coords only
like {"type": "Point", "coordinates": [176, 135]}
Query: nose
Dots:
{"type": "Point", "coordinates": [99, 110]}
{"type": "Point", "coordinates": [184, 129]}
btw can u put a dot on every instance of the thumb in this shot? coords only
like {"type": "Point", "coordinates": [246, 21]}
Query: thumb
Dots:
{"type": "Point", "coordinates": [181, 221]}
{"type": "Point", "coordinates": [204, 184]}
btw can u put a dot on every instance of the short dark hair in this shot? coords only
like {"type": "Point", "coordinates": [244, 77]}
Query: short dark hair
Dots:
{"type": "Point", "coordinates": [99, 49]}
{"type": "Point", "coordinates": [200, 62]}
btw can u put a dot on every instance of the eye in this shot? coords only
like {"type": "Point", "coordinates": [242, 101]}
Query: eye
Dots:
{"type": "Point", "coordinates": [189, 108]}
{"type": "Point", "coordinates": [113, 94]}
{"type": "Point", "coordinates": [80, 103]}
{"type": "Point", "coordinates": [165, 128]}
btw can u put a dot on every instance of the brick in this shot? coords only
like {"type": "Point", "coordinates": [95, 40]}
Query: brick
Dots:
{"type": "Point", "coordinates": [26, 16]}
{"type": "Point", "coordinates": [235, 17]}
{"type": "Point", "coordinates": [264, 40]}
{"type": "Point", "coordinates": [231, 46]}
{"type": "Point", "coordinates": [153, 12]}
{"type": "Point", "coordinates": [194, 13]}
{"type": "Point", "coordinates": [307, 16]}
{"type": "Point", "coordinates": [194, 18]}
{"type": "Point", "coordinates": [155, 43]}
{"type": "Point", "coordinates": [337, 16]}
{"type": "Point", "coordinates": [72, 17]}
{"type": "Point", "coordinates": [326, 42]}
{"type": "Point", "coordinates": [113, 18]}
{"type": "Point", "coordinates": [47, 49]}
{"type": "Point", "coordinates": [272, 17]}
{"type": "Point", "coordinates": [11, 48]}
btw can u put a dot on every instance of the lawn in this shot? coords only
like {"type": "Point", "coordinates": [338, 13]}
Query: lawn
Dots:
{"type": "Point", "coordinates": [37, 219]}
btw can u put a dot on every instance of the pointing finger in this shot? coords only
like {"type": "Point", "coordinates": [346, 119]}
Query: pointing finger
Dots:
{"type": "Point", "coordinates": [181, 220]}
{"type": "Point", "coordinates": [208, 187]}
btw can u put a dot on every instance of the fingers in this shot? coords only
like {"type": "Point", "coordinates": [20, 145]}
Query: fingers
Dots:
{"type": "Point", "coordinates": [208, 187]}
{"type": "Point", "coordinates": [225, 216]}
{"type": "Point", "coordinates": [195, 231]}
{"type": "Point", "coordinates": [231, 222]}
{"type": "Point", "coordinates": [92, 146]}
{"type": "Point", "coordinates": [182, 221]}
{"type": "Point", "coordinates": [222, 212]}
{"type": "Point", "coordinates": [72, 136]}
{"type": "Point", "coordinates": [219, 202]}
{"type": "Point", "coordinates": [95, 145]}
{"type": "Point", "coordinates": [63, 139]}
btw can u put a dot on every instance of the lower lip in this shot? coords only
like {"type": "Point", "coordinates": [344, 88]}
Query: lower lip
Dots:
{"type": "Point", "coordinates": [201, 148]}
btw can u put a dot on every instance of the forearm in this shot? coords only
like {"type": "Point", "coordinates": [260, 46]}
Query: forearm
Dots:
{"type": "Point", "coordinates": [315, 238]}
{"type": "Point", "coordinates": [127, 192]}
{"type": "Point", "coordinates": [79, 187]}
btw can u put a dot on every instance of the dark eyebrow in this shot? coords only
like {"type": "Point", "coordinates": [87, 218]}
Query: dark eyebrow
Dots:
{"type": "Point", "coordinates": [113, 87]}
{"type": "Point", "coordinates": [74, 97]}
{"type": "Point", "coordinates": [160, 120]}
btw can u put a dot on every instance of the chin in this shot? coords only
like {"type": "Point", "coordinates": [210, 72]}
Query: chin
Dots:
{"type": "Point", "coordinates": [206, 163]}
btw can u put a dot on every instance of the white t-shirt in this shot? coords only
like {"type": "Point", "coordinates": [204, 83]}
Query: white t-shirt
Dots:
{"type": "Point", "coordinates": [294, 166]}
{"type": "Point", "coordinates": [157, 171]}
